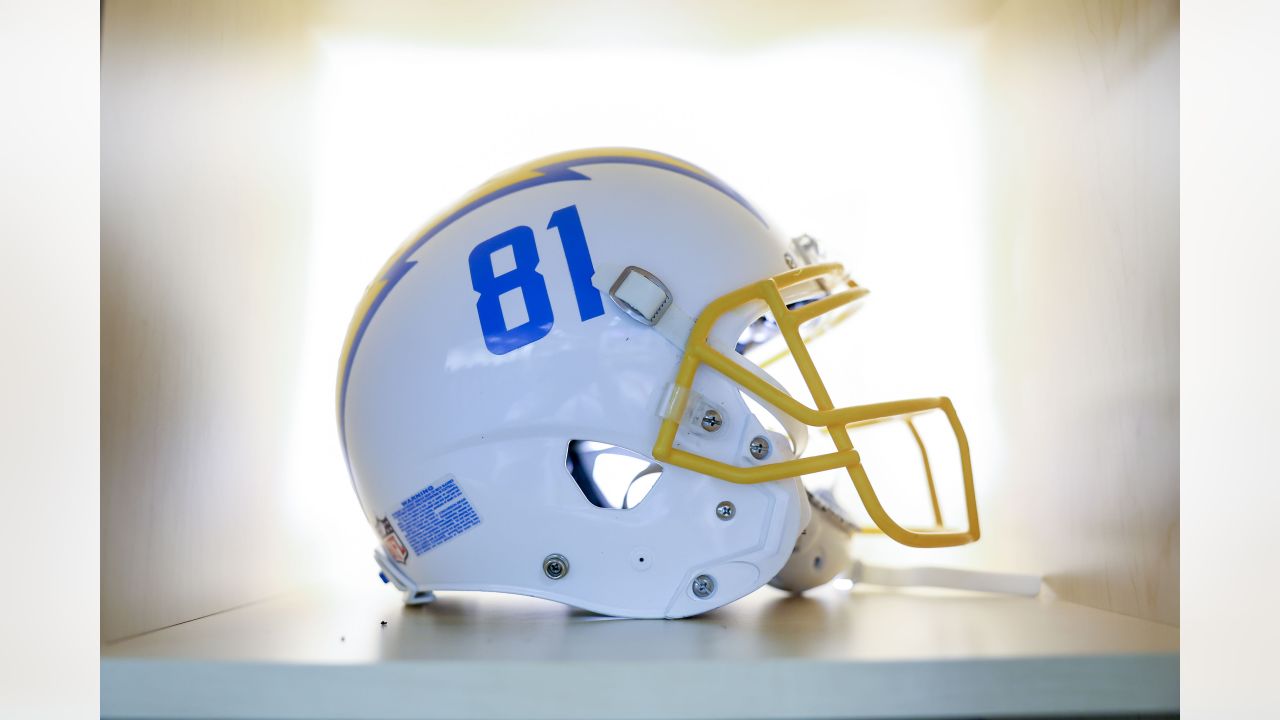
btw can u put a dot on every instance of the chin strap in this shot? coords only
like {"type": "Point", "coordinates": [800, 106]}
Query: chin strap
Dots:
{"type": "Point", "coordinates": [938, 577]}
{"type": "Point", "coordinates": [822, 552]}
{"type": "Point", "coordinates": [393, 575]}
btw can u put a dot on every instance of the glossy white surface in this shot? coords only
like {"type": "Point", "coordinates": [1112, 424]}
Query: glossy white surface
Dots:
{"type": "Point", "coordinates": [831, 653]}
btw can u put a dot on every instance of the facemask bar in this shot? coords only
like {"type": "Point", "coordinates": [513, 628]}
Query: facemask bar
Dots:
{"type": "Point", "coordinates": [835, 421]}
{"type": "Point", "coordinates": [928, 473]}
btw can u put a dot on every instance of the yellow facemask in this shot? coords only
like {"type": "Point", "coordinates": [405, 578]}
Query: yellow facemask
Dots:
{"type": "Point", "coordinates": [825, 416]}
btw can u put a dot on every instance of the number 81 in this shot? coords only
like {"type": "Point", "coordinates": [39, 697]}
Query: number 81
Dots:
{"type": "Point", "coordinates": [533, 287]}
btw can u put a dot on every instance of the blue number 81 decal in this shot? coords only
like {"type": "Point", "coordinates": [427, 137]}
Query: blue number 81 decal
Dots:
{"type": "Point", "coordinates": [533, 287]}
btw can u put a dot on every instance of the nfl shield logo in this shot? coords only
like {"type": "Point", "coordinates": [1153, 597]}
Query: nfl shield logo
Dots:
{"type": "Point", "coordinates": [391, 541]}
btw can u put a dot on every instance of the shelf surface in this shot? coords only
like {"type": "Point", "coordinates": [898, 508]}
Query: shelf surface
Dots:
{"type": "Point", "coordinates": [830, 653]}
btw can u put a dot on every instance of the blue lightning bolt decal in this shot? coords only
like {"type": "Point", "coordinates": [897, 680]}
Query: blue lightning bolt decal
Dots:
{"type": "Point", "coordinates": [554, 169]}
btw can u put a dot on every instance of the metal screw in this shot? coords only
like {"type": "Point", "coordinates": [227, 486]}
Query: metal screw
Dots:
{"type": "Point", "coordinates": [759, 447]}
{"type": "Point", "coordinates": [791, 261]}
{"type": "Point", "coordinates": [809, 246]}
{"type": "Point", "coordinates": [725, 510]}
{"type": "Point", "coordinates": [704, 586]}
{"type": "Point", "coordinates": [555, 566]}
{"type": "Point", "coordinates": [711, 421]}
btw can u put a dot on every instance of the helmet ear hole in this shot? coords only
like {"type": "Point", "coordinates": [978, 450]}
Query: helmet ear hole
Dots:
{"type": "Point", "coordinates": [609, 476]}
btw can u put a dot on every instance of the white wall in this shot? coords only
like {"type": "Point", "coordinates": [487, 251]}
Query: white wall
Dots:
{"type": "Point", "coordinates": [49, 429]}
{"type": "Point", "coordinates": [205, 221]}
{"type": "Point", "coordinates": [1082, 120]}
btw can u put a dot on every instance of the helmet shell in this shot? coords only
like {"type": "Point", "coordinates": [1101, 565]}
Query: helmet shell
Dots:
{"type": "Point", "coordinates": [461, 451]}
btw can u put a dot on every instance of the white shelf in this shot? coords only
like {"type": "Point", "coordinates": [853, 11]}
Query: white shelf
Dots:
{"type": "Point", "coordinates": [864, 653]}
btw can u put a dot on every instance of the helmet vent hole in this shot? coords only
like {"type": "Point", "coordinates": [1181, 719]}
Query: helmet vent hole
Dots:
{"type": "Point", "coordinates": [762, 337]}
{"type": "Point", "coordinates": [609, 476]}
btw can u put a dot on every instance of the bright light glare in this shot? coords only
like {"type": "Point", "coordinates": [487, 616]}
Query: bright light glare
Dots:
{"type": "Point", "coordinates": [869, 142]}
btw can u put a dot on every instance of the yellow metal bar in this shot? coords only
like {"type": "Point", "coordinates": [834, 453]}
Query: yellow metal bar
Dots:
{"type": "Point", "coordinates": [831, 302]}
{"type": "Point", "coordinates": [928, 472]}
{"type": "Point", "coordinates": [810, 335]}
{"type": "Point", "coordinates": [761, 473]}
{"type": "Point", "coordinates": [835, 420]}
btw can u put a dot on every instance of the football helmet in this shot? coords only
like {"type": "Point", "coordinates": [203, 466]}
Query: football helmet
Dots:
{"type": "Point", "coordinates": [545, 392]}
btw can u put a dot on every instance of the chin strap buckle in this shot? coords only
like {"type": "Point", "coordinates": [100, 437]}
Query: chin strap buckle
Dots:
{"type": "Point", "coordinates": [647, 300]}
{"type": "Point", "coordinates": [392, 573]}
{"type": "Point", "coordinates": [640, 294]}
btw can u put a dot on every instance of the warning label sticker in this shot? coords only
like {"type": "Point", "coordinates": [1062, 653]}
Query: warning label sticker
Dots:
{"type": "Point", "coordinates": [435, 515]}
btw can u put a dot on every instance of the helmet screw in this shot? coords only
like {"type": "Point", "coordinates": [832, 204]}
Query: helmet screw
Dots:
{"type": "Point", "coordinates": [555, 566]}
{"type": "Point", "coordinates": [790, 260]}
{"type": "Point", "coordinates": [725, 510]}
{"type": "Point", "coordinates": [759, 447]}
{"type": "Point", "coordinates": [704, 586]}
{"type": "Point", "coordinates": [711, 421]}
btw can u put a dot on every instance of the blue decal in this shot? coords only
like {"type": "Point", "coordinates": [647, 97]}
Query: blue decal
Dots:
{"type": "Point", "coordinates": [434, 516]}
{"type": "Point", "coordinates": [569, 225]}
{"type": "Point", "coordinates": [533, 288]}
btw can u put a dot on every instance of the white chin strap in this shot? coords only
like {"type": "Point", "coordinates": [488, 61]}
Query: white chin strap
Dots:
{"type": "Point", "coordinates": [821, 554]}
{"type": "Point", "coordinates": [951, 578]}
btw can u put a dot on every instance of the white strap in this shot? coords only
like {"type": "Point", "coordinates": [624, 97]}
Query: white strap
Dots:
{"type": "Point", "coordinates": [644, 297]}
{"type": "Point", "coordinates": [953, 578]}
{"type": "Point", "coordinates": [643, 294]}
{"type": "Point", "coordinates": [675, 325]}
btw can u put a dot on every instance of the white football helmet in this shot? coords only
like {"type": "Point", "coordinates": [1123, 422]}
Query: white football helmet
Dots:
{"type": "Point", "coordinates": [542, 393]}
